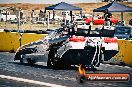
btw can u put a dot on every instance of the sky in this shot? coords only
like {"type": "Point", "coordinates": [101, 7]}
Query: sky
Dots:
{"type": "Point", "coordinates": [48, 1]}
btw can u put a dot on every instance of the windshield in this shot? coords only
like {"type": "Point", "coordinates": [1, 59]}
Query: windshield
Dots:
{"type": "Point", "coordinates": [122, 30]}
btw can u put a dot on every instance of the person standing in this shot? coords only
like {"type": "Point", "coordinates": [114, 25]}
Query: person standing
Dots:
{"type": "Point", "coordinates": [21, 17]}
{"type": "Point", "coordinates": [41, 15]}
{"type": "Point", "coordinates": [107, 16]}
{"type": "Point", "coordinates": [33, 16]}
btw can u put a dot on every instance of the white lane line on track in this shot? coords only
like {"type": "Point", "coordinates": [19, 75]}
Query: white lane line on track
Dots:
{"type": "Point", "coordinates": [30, 81]}
{"type": "Point", "coordinates": [117, 66]}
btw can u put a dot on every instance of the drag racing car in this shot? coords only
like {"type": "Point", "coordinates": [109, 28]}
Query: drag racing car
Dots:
{"type": "Point", "coordinates": [65, 47]}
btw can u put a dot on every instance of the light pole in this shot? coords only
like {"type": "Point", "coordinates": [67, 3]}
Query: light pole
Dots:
{"type": "Point", "coordinates": [18, 19]}
{"type": "Point", "coordinates": [48, 16]}
{"type": "Point", "coordinates": [20, 39]}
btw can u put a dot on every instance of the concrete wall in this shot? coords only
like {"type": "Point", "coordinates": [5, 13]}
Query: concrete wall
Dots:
{"type": "Point", "coordinates": [125, 52]}
{"type": "Point", "coordinates": [10, 41]}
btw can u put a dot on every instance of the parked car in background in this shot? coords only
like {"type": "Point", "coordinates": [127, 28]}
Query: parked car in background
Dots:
{"type": "Point", "coordinates": [9, 16]}
{"type": "Point", "coordinates": [82, 25]}
{"type": "Point", "coordinates": [56, 17]}
{"type": "Point", "coordinates": [123, 32]}
{"type": "Point", "coordinates": [66, 15]}
{"type": "Point", "coordinates": [98, 20]}
{"type": "Point", "coordinates": [79, 20]}
{"type": "Point", "coordinates": [76, 16]}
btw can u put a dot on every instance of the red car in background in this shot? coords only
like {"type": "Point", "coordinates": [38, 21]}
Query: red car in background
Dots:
{"type": "Point", "coordinates": [98, 20]}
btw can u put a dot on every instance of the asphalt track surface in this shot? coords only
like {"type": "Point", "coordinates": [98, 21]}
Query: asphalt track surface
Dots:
{"type": "Point", "coordinates": [15, 74]}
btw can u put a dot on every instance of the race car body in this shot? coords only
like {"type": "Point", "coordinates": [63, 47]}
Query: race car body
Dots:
{"type": "Point", "coordinates": [71, 48]}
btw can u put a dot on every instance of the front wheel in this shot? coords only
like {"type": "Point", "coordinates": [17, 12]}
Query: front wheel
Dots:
{"type": "Point", "coordinates": [21, 58]}
{"type": "Point", "coordinates": [53, 59]}
{"type": "Point", "coordinates": [30, 61]}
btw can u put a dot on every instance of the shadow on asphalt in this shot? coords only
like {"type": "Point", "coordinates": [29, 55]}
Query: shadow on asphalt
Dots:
{"type": "Point", "coordinates": [45, 67]}
{"type": "Point", "coordinates": [34, 65]}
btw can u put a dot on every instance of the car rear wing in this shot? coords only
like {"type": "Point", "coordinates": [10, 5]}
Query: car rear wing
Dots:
{"type": "Point", "coordinates": [94, 33]}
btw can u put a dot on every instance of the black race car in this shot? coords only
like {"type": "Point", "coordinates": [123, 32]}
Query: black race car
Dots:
{"type": "Point", "coordinates": [65, 47]}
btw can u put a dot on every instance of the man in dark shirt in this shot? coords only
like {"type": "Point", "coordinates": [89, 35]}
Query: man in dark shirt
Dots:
{"type": "Point", "coordinates": [107, 16]}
